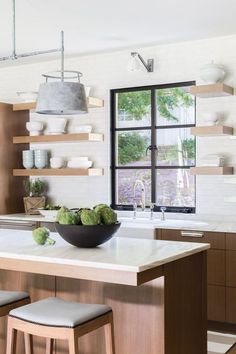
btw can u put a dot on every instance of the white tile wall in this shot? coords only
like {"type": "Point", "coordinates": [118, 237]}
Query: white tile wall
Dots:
{"type": "Point", "coordinates": [174, 63]}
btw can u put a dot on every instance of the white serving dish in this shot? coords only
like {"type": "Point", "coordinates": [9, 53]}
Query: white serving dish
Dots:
{"type": "Point", "coordinates": [34, 128]}
{"type": "Point", "coordinates": [83, 128]}
{"type": "Point", "coordinates": [79, 158]}
{"type": "Point", "coordinates": [51, 214]}
{"type": "Point", "coordinates": [80, 164]}
{"type": "Point", "coordinates": [212, 73]}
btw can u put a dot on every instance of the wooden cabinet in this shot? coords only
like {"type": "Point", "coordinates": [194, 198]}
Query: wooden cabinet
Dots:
{"type": "Point", "coordinates": [216, 303]}
{"type": "Point", "coordinates": [11, 189]}
{"type": "Point", "coordinates": [216, 266]}
{"type": "Point", "coordinates": [216, 239]}
{"type": "Point", "coordinates": [231, 305]}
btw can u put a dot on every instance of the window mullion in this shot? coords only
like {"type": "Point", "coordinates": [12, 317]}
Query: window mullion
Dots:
{"type": "Point", "coordinates": [153, 143]}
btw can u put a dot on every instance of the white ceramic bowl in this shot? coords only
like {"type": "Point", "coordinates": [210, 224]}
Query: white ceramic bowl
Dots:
{"type": "Point", "coordinates": [80, 164]}
{"type": "Point", "coordinates": [29, 96]}
{"type": "Point", "coordinates": [83, 128]}
{"type": "Point", "coordinates": [211, 118]}
{"type": "Point", "coordinates": [34, 128]}
{"type": "Point", "coordinates": [51, 214]}
{"type": "Point", "coordinates": [212, 73]}
{"type": "Point", "coordinates": [56, 162]}
{"type": "Point", "coordinates": [56, 125]}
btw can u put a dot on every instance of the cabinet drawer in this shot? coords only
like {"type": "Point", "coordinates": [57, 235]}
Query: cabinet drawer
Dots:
{"type": "Point", "coordinates": [231, 268]}
{"type": "Point", "coordinates": [231, 242]}
{"type": "Point", "coordinates": [231, 305]}
{"type": "Point", "coordinates": [216, 303]}
{"type": "Point", "coordinates": [216, 267]}
{"type": "Point", "coordinates": [216, 239]}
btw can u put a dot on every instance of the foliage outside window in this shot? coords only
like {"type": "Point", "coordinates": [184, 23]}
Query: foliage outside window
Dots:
{"type": "Point", "coordinates": [151, 141]}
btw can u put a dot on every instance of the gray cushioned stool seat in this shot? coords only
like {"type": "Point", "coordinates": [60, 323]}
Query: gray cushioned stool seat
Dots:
{"type": "Point", "coordinates": [59, 313]}
{"type": "Point", "coordinates": [9, 297]}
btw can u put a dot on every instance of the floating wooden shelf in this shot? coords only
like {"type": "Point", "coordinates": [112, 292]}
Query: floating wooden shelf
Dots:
{"type": "Point", "coordinates": [93, 102]}
{"type": "Point", "coordinates": [58, 172]}
{"type": "Point", "coordinates": [214, 90]}
{"type": "Point", "coordinates": [215, 130]}
{"type": "Point", "coordinates": [57, 138]}
{"type": "Point", "coordinates": [211, 170]}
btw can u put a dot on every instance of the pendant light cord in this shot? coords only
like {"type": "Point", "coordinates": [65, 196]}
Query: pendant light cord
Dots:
{"type": "Point", "coordinates": [14, 56]}
{"type": "Point", "coordinates": [62, 57]}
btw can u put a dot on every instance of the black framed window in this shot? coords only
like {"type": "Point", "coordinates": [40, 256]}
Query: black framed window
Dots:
{"type": "Point", "coordinates": [151, 142]}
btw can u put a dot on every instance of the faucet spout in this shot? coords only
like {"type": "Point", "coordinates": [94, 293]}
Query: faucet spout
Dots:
{"type": "Point", "coordinates": [140, 183]}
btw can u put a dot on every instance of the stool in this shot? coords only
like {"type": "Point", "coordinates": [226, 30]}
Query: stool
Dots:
{"type": "Point", "coordinates": [54, 318]}
{"type": "Point", "coordinates": [12, 299]}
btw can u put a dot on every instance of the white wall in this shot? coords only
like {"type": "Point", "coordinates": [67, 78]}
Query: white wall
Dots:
{"type": "Point", "coordinates": [173, 63]}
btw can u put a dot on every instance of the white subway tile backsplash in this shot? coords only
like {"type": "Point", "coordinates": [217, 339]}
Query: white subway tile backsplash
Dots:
{"type": "Point", "coordinates": [175, 63]}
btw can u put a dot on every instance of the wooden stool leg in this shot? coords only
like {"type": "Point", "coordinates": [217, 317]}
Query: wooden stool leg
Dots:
{"type": "Point", "coordinates": [49, 345]}
{"type": "Point", "coordinates": [109, 336]}
{"type": "Point", "coordinates": [73, 344]}
{"type": "Point", "coordinates": [11, 339]}
{"type": "Point", "coordinates": [28, 343]}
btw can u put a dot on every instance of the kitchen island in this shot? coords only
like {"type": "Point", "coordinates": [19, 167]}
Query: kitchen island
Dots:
{"type": "Point", "coordinates": [157, 289]}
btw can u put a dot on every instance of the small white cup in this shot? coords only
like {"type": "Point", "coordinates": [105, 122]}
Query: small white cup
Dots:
{"type": "Point", "coordinates": [56, 162]}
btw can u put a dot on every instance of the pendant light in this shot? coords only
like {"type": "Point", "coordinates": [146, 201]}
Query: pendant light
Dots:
{"type": "Point", "coordinates": [62, 97]}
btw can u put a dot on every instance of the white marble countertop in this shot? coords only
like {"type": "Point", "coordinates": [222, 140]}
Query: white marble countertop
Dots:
{"type": "Point", "coordinates": [25, 217]}
{"type": "Point", "coordinates": [126, 254]}
{"type": "Point", "coordinates": [187, 223]}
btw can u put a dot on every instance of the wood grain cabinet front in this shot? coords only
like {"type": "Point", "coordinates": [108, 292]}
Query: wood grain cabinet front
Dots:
{"type": "Point", "coordinates": [216, 266]}
{"type": "Point", "coordinates": [216, 303]}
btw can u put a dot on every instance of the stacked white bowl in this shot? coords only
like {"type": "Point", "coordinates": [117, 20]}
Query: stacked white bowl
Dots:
{"type": "Point", "coordinates": [28, 158]}
{"type": "Point", "coordinates": [41, 158]}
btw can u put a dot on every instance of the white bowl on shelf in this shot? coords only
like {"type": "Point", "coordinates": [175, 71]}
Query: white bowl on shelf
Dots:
{"type": "Point", "coordinates": [56, 125]}
{"type": "Point", "coordinates": [83, 129]}
{"type": "Point", "coordinates": [79, 164]}
{"type": "Point", "coordinates": [211, 118]}
{"type": "Point", "coordinates": [212, 73]}
{"type": "Point", "coordinates": [29, 96]}
{"type": "Point", "coordinates": [50, 214]}
{"type": "Point", "coordinates": [34, 128]}
{"type": "Point", "coordinates": [56, 162]}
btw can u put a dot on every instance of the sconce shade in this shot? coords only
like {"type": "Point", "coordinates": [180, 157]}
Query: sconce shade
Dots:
{"type": "Point", "coordinates": [61, 98]}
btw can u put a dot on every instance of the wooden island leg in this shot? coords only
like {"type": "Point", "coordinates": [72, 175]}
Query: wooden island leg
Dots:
{"type": "Point", "coordinates": [186, 306]}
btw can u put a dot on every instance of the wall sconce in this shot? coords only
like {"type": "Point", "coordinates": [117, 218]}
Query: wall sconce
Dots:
{"type": "Point", "coordinates": [136, 60]}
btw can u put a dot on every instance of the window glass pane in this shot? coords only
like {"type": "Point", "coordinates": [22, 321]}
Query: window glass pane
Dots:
{"type": "Point", "coordinates": [175, 106]}
{"type": "Point", "coordinates": [133, 109]}
{"type": "Point", "coordinates": [132, 146]}
{"type": "Point", "coordinates": [175, 187]}
{"type": "Point", "coordinates": [176, 147]}
{"type": "Point", "coordinates": [126, 179]}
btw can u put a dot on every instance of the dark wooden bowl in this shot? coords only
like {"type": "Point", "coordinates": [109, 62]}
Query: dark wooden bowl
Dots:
{"type": "Point", "coordinates": [87, 236]}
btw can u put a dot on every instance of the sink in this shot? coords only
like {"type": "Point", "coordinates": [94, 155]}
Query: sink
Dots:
{"type": "Point", "coordinates": [184, 223]}
{"type": "Point", "coordinates": [165, 223]}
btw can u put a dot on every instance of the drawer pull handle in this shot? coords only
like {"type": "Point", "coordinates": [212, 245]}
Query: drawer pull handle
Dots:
{"type": "Point", "coordinates": [191, 234]}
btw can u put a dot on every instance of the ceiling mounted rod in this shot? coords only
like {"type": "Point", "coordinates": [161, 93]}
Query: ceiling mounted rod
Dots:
{"type": "Point", "coordinates": [14, 55]}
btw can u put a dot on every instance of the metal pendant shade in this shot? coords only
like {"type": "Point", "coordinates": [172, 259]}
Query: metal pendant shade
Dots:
{"type": "Point", "coordinates": [61, 98]}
